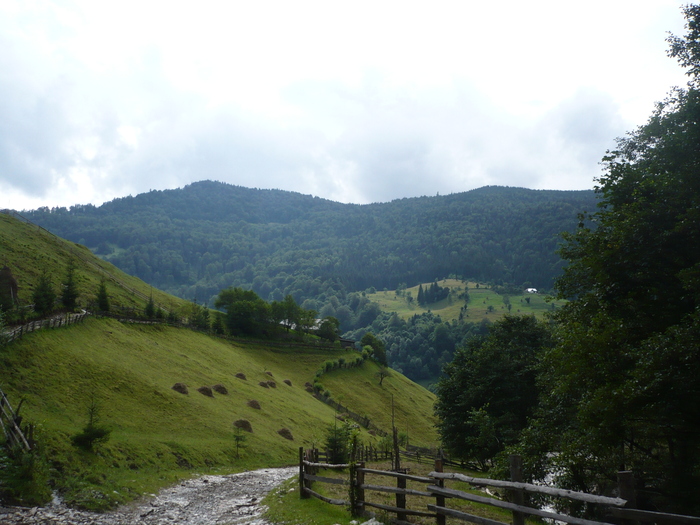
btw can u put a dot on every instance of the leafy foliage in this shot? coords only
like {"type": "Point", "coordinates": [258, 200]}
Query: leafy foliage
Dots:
{"type": "Point", "coordinates": [622, 384]}
{"type": "Point", "coordinates": [489, 390]}
{"type": "Point", "coordinates": [196, 241]}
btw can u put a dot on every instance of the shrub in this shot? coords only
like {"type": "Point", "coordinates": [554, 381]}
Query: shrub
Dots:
{"type": "Point", "coordinates": [264, 384]}
{"type": "Point", "coordinates": [287, 382]}
{"type": "Point", "coordinates": [93, 433]}
{"type": "Point", "coordinates": [24, 477]}
{"type": "Point", "coordinates": [90, 436]}
{"type": "Point", "coordinates": [254, 404]}
{"type": "Point", "coordinates": [241, 375]}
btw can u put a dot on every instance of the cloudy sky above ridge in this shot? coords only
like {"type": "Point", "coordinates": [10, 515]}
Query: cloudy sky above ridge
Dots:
{"type": "Point", "coordinates": [351, 101]}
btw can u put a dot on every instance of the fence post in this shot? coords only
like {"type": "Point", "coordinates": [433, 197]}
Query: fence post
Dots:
{"type": "Point", "coordinates": [517, 496]}
{"type": "Point", "coordinates": [359, 509]}
{"type": "Point", "coordinates": [302, 481]}
{"type": "Point", "coordinates": [625, 484]}
{"type": "Point", "coordinates": [440, 500]}
{"type": "Point", "coordinates": [401, 499]}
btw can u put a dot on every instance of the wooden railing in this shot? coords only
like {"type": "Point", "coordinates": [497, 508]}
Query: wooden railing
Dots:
{"type": "Point", "coordinates": [53, 322]}
{"type": "Point", "coordinates": [612, 508]}
{"type": "Point", "coordinates": [11, 425]}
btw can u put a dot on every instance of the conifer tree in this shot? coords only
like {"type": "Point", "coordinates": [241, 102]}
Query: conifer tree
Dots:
{"type": "Point", "coordinates": [102, 297]}
{"type": "Point", "coordinates": [69, 294]}
{"type": "Point", "coordinates": [44, 296]}
{"type": "Point", "coordinates": [150, 311]}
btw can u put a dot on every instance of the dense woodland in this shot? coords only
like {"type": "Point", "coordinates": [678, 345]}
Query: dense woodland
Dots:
{"type": "Point", "coordinates": [196, 241]}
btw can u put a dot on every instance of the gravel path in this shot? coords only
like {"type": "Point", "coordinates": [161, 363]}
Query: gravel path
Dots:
{"type": "Point", "coordinates": [209, 500]}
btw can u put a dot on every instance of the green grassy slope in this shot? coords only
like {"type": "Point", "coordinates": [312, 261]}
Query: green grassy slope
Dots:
{"type": "Point", "coordinates": [159, 434]}
{"type": "Point", "coordinates": [29, 251]}
{"type": "Point", "coordinates": [477, 308]}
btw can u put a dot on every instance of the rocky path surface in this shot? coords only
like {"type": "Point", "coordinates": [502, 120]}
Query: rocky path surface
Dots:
{"type": "Point", "coordinates": [209, 500]}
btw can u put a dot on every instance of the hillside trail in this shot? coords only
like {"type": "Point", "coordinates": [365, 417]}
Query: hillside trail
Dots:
{"type": "Point", "coordinates": [208, 500]}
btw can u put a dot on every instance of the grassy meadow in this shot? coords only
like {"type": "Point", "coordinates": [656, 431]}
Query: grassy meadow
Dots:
{"type": "Point", "coordinates": [159, 435]}
{"type": "Point", "coordinates": [484, 302]}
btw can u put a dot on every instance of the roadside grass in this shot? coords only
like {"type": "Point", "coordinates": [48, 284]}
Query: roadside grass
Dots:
{"type": "Point", "coordinates": [481, 299]}
{"type": "Point", "coordinates": [321, 513]}
{"type": "Point", "coordinates": [158, 435]}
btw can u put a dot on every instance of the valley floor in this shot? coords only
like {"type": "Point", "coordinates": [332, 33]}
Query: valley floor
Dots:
{"type": "Point", "coordinates": [233, 499]}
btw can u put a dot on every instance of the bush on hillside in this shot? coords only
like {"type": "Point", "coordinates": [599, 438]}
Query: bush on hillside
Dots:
{"type": "Point", "coordinates": [254, 404]}
{"type": "Point", "coordinates": [24, 477]}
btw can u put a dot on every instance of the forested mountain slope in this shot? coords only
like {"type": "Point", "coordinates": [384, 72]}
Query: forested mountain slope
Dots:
{"type": "Point", "coordinates": [195, 241]}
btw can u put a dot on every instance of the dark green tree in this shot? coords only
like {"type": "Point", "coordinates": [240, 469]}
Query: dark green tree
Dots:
{"type": "Point", "coordinates": [44, 296]}
{"type": "Point", "coordinates": [488, 392]}
{"type": "Point", "coordinates": [377, 346]}
{"type": "Point", "coordinates": [622, 386]}
{"type": "Point", "coordinates": [217, 324]}
{"type": "Point", "coordinates": [102, 297]}
{"type": "Point", "coordinates": [150, 310]}
{"type": "Point", "coordinates": [69, 293]}
{"type": "Point", "coordinates": [8, 289]}
{"type": "Point", "coordinates": [246, 312]}
{"type": "Point", "coordinates": [329, 329]}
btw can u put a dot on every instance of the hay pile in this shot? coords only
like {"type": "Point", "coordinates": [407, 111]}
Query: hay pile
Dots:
{"type": "Point", "coordinates": [243, 424]}
{"type": "Point", "coordinates": [241, 375]}
{"type": "Point", "coordinates": [219, 388]}
{"type": "Point", "coordinates": [272, 384]}
{"type": "Point", "coordinates": [286, 434]}
{"type": "Point", "coordinates": [264, 384]}
{"type": "Point", "coordinates": [180, 387]}
{"type": "Point", "coordinates": [270, 374]}
{"type": "Point", "coordinates": [205, 390]}
{"type": "Point", "coordinates": [254, 404]}
{"type": "Point", "coordinates": [287, 382]}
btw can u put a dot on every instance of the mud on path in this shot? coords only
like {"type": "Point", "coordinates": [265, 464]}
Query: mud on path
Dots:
{"type": "Point", "coordinates": [209, 500]}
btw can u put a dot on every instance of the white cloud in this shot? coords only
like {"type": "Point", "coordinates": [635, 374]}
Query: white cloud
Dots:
{"type": "Point", "coordinates": [358, 102]}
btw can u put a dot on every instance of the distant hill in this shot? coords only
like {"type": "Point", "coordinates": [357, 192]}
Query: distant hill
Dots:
{"type": "Point", "coordinates": [195, 241]}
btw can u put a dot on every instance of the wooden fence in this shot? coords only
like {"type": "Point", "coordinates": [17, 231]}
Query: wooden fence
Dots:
{"type": "Point", "coordinates": [11, 425]}
{"type": "Point", "coordinates": [53, 322]}
{"type": "Point", "coordinates": [614, 509]}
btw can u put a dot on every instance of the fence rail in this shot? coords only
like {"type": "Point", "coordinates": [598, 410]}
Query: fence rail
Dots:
{"type": "Point", "coordinates": [11, 425]}
{"type": "Point", "coordinates": [53, 322]}
{"type": "Point", "coordinates": [613, 508]}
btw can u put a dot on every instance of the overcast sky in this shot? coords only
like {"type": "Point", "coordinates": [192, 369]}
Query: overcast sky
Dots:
{"type": "Point", "coordinates": [351, 101]}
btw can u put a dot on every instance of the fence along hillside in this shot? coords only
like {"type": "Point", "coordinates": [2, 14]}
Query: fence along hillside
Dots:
{"type": "Point", "coordinates": [433, 487]}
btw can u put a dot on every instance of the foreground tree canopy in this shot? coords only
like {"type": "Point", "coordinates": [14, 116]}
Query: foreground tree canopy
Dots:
{"type": "Point", "coordinates": [622, 385]}
{"type": "Point", "coordinates": [489, 391]}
